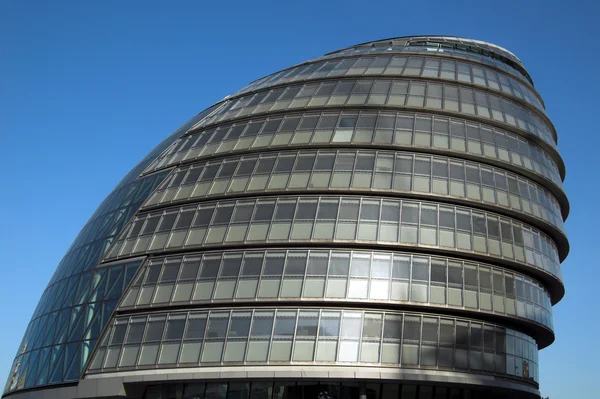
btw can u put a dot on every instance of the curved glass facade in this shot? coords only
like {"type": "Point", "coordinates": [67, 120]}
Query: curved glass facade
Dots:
{"type": "Point", "coordinates": [391, 93]}
{"type": "Point", "coordinates": [385, 172]}
{"type": "Point", "coordinates": [394, 209]}
{"type": "Point", "coordinates": [82, 294]}
{"type": "Point", "coordinates": [338, 275]}
{"type": "Point", "coordinates": [472, 50]}
{"type": "Point", "coordinates": [427, 67]}
{"type": "Point", "coordinates": [329, 336]}
{"type": "Point", "coordinates": [319, 220]}
{"type": "Point", "coordinates": [422, 132]}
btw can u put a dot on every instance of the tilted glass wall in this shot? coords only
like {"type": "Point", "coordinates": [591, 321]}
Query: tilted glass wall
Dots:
{"type": "Point", "coordinates": [81, 295]}
{"type": "Point", "coordinates": [57, 344]}
{"type": "Point", "coordinates": [396, 205]}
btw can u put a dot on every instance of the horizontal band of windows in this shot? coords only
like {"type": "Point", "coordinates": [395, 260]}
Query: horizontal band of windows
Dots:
{"type": "Point", "coordinates": [384, 171]}
{"type": "Point", "coordinates": [313, 336]}
{"type": "Point", "coordinates": [337, 275]}
{"type": "Point", "coordinates": [389, 93]}
{"type": "Point", "coordinates": [365, 128]}
{"type": "Point", "coordinates": [480, 47]}
{"type": "Point", "coordinates": [338, 219]}
{"type": "Point", "coordinates": [397, 65]}
{"type": "Point", "coordinates": [470, 46]}
{"type": "Point", "coordinates": [382, 127]}
{"type": "Point", "coordinates": [464, 44]}
{"type": "Point", "coordinates": [404, 49]}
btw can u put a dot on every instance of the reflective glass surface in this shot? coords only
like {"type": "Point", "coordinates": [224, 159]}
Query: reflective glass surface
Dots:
{"type": "Point", "coordinates": [377, 171]}
{"type": "Point", "coordinates": [72, 310]}
{"type": "Point", "coordinates": [160, 147]}
{"type": "Point", "coordinates": [415, 93]}
{"type": "Point", "coordinates": [318, 217]}
{"type": "Point", "coordinates": [100, 231]}
{"type": "Point", "coordinates": [364, 129]}
{"type": "Point", "coordinates": [433, 50]}
{"type": "Point", "coordinates": [402, 65]}
{"type": "Point", "coordinates": [58, 342]}
{"type": "Point", "coordinates": [487, 49]}
{"type": "Point", "coordinates": [339, 219]}
{"type": "Point", "coordinates": [80, 296]}
{"type": "Point", "coordinates": [314, 336]}
{"type": "Point", "coordinates": [337, 275]}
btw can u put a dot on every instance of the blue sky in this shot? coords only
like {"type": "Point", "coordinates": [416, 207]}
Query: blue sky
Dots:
{"type": "Point", "coordinates": [88, 88]}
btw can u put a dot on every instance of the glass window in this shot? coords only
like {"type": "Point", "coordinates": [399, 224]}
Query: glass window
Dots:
{"type": "Point", "coordinates": [330, 324]}
{"type": "Point", "coordinates": [410, 212]}
{"type": "Point", "coordinates": [155, 329]}
{"type": "Point", "coordinates": [420, 269]}
{"type": "Point", "coordinates": [351, 325]}
{"type": "Point", "coordinates": [296, 264]}
{"type": "Point", "coordinates": [430, 329]}
{"type": "Point", "coordinates": [171, 270]}
{"type": "Point", "coordinates": [307, 209]}
{"type": "Point", "coordinates": [438, 271]}
{"type": "Point", "coordinates": [274, 263]}
{"type": "Point", "coordinates": [210, 266]}
{"type": "Point", "coordinates": [191, 265]}
{"type": "Point", "coordinates": [360, 265]}
{"type": "Point", "coordinates": [231, 266]}
{"type": "Point", "coordinates": [217, 325]}
{"type": "Point", "coordinates": [285, 324]}
{"type": "Point", "coordinates": [307, 324]}
{"type": "Point", "coordinates": [204, 216]}
{"type": "Point", "coordinates": [317, 263]}
{"type": "Point", "coordinates": [392, 327]}
{"type": "Point", "coordinates": [175, 326]}
{"type": "Point", "coordinates": [252, 264]}
{"type": "Point", "coordinates": [349, 210]}
{"type": "Point", "coordinates": [185, 218]}
{"type": "Point", "coordinates": [136, 330]}
{"type": "Point", "coordinates": [195, 326]}
{"type": "Point", "coordinates": [240, 324]}
{"type": "Point", "coordinates": [243, 212]}
{"type": "Point", "coordinates": [340, 264]}
{"type": "Point", "coordinates": [401, 267]}
{"type": "Point", "coordinates": [412, 328]}
{"type": "Point", "coordinates": [262, 324]}
{"type": "Point", "coordinates": [264, 211]}
{"type": "Point", "coordinates": [223, 214]}
{"type": "Point", "coordinates": [328, 209]}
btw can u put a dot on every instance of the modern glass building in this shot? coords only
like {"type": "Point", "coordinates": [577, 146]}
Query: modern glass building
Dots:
{"type": "Point", "coordinates": [382, 222]}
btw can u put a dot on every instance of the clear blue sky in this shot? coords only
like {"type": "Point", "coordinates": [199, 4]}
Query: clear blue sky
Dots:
{"type": "Point", "coordinates": [88, 88]}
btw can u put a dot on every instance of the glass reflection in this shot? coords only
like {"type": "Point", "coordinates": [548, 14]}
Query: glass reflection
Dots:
{"type": "Point", "coordinates": [409, 340]}
{"type": "Point", "coordinates": [461, 229]}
